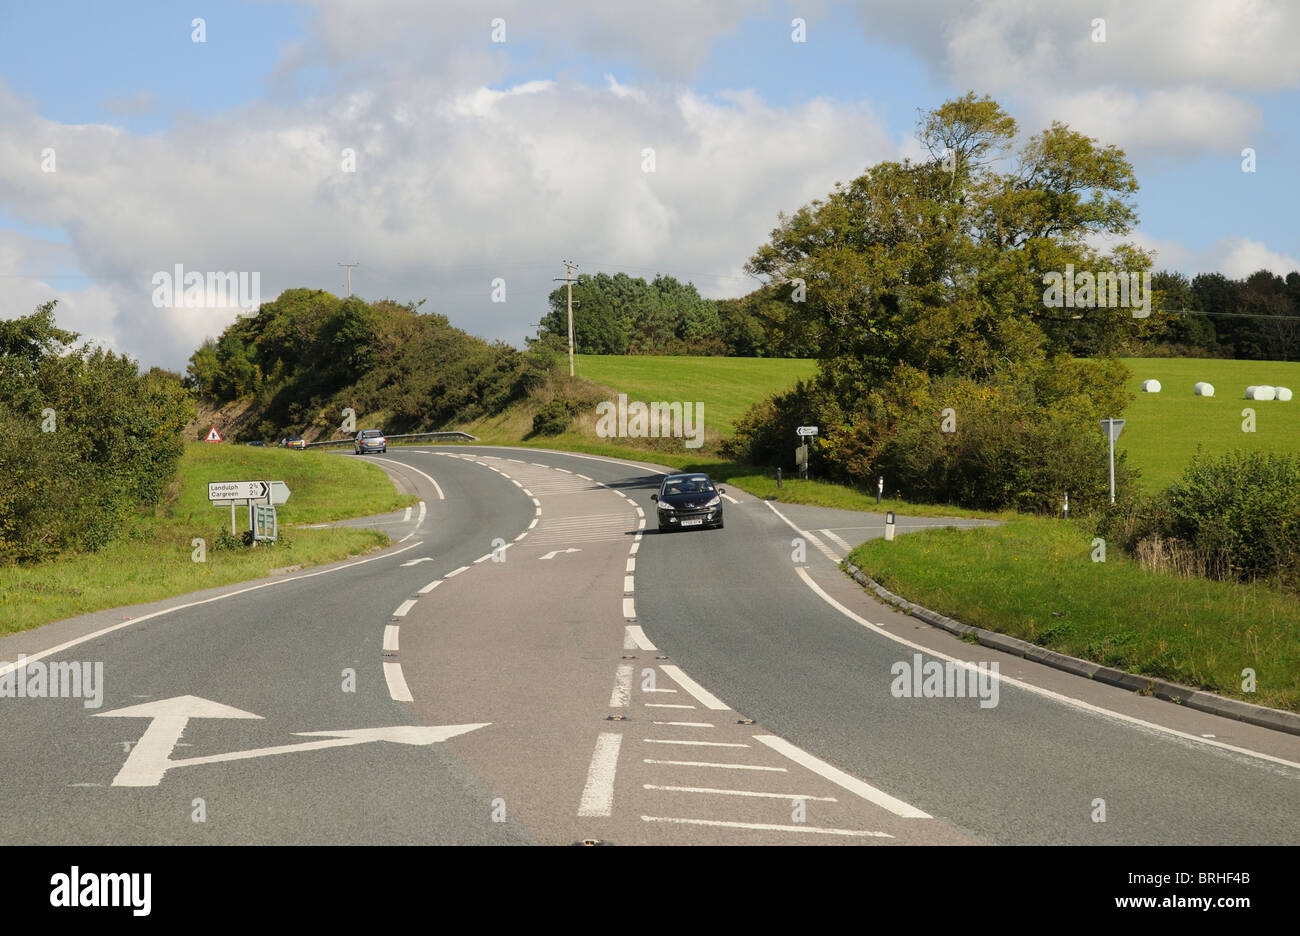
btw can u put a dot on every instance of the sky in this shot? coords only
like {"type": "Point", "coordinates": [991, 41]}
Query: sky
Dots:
{"type": "Point", "coordinates": [459, 151]}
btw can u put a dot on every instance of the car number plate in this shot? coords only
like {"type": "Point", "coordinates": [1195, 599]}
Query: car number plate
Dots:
{"type": "Point", "coordinates": [691, 522]}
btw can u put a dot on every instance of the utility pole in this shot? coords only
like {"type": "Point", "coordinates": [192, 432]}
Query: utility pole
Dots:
{"type": "Point", "coordinates": [349, 266]}
{"type": "Point", "coordinates": [569, 267]}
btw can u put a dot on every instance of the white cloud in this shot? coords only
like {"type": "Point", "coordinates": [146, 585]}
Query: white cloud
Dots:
{"type": "Point", "coordinates": [452, 188]}
{"type": "Point", "coordinates": [1234, 257]}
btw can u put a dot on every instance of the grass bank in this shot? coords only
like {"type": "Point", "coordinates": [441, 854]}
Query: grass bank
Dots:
{"type": "Point", "coordinates": [1035, 579]}
{"type": "Point", "coordinates": [155, 559]}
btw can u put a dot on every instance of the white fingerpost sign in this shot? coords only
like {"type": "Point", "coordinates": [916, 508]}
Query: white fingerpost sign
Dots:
{"type": "Point", "coordinates": [1112, 428]}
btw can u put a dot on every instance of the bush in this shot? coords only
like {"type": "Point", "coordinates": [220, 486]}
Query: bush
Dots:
{"type": "Point", "coordinates": [552, 419]}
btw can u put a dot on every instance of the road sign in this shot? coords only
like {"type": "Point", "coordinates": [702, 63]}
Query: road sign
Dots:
{"type": "Point", "coordinates": [279, 492]}
{"type": "Point", "coordinates": [264, 525]}
{"type": "Point", "coordinates": [150, 757]}
{"type": "Point", "coordinates": [806, 430]}
{"type": "Point", "coordinates": [213, 435]}
{"type": "Point", "coordinates": [219, 491]}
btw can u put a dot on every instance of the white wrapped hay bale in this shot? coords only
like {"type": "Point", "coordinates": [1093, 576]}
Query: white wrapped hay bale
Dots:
{"type": "Point", "coordinates": [1150, 386]}
{"type": "Point", "coordinates": [1262, 392]}
{"type": "Point", "coordinates": [1203, 389]}
{"type": "Point", "coordinates": [1283, 393]}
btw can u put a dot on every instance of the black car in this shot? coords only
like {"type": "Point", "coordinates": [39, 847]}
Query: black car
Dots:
{"type": "Point", "coordinates": [688, 500]}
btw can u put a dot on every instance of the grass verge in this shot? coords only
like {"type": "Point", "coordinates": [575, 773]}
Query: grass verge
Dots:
{"type": "Point", "coordinates": [1035, 579]}
{"type": "Point", "coordinates": [155, 557]}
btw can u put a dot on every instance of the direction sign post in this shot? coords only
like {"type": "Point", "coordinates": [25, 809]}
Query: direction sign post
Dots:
{"type": "Point", "coordinates": [1112, 428]}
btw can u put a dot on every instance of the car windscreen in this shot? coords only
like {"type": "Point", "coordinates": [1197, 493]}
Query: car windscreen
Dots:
{"type": "Point", "coordinates": [688, 486]}
{"type": "Point", "coordinates": [371, 434]}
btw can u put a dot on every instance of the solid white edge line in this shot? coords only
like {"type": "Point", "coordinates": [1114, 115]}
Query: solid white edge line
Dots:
{"type": "Point", "coordinates": [598, 794]}
{"type": "Point", "coordinates": [33, 657]}
{"type": "Point", "coordinates": [404, 607]}
{"type": "Point", "coordinates": [1046, 693]}
{"type": "Point", "coordinates": [702, 695]}
{"type": "Point", "coordinates": [397, 688]}
{"type": "Point", "coordinates": [390, 636]}
{"type": "Point", "coordinates": [840, 778]}
{"type": "Point", "coordinates": [421, 474]}
{"type": "Point", "coordinates": [770, 827]}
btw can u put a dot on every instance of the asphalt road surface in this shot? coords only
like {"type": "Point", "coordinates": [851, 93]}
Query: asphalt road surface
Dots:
{"type": "Point", "coordinates": [532, 662]}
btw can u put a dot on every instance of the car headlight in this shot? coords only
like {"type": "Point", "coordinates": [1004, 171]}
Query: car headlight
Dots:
{"type": "Point", "coordinates": [664, 505]}
{"type": "Point", "coordinates": [715, 502]}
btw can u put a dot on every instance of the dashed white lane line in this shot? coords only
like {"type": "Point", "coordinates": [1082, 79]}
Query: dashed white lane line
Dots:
{"type": "Point", "coordinates": [769, 827]}
{"type": "Point", "coordinates": [694, 763]}
{"type": "Point", "coordinates": [621, 697]}
{"type": "Point", "coordinates": [430, 587]}
{"type": "Point", "coordinates": [784, 796]}
{"type": "Point", "coordinates": [583, 477]}
{"type": "Point", "coordinates": [406, 515]}
{"type": "Point", "coordinates": [397, 688]}
{"type": "Point", "coordinates": [629, 582]}
{"type": "Point", "coordinates": [830, 535]}
{"type": "Point", "coordinates": [667, 705]}
{"type": "Point", "coordinates": [533, 524]}
{"type": "Point", "coordinates": [631, 565]}
{"type": "Point", "coordinates": [521, 536]}
{"type": "Point", "coordinates": [702, 695]}
{"type": "Point", "coordinates": [598, 794]}
{"type": "Point", "coordinates": [565, 470]}
{"type": "Point", "coordinates": [841, 779]}
{"type": "Point", "coordinates": [528, 492]}
{"type": "Point", "coordinates": [694, 743]}
{"type": "Point", "coordinates": [629, 608]}
{"type": "Point", "coordinates": [483, 558]}
{"type": "Point", "coordinates": [538, 504]}
{"type": "Point", "coordinates": [515, 483]}
{"type": "Point", "coordinates": [390, 637]}
{"type": "Point", "coordinates": [635, 639]}
{"type": "Point", "coordinates": [420, 519]}
{"type": "Point", "coordinates": [404, 607]}
{"type": "Point", "coordinates": [454, 572]}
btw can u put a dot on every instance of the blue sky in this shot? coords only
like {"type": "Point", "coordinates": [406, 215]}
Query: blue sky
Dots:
{"type": "Point", "coordinates": [222, 152]}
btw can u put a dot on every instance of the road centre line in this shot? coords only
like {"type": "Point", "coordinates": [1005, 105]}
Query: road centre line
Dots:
{"type": "Point", "coordinates": [667, 705]}
{"type": "Point", "coordinates": [694, 743]}
{"type": "Point", "coordinates": [423, 510]}
{"type": "Point", "coordinates": [621, 697]}
{"type": "Point", "coordinates": [397, 688]}
{"type": "Point", "coordinates": [686, 724]}
{"type": "Point", "coordinates": [404, 607]}
{"type": "Point", "coordinates": [33, 657]}
{"type": "Point", "coordinates": [407, 515]}
{"type": "Point", "coordinates": [390, 637]}
{"type": "Point", "coordinates": [702, 695]}
{"type": "Point", "coordinates": [598, 794]}
{"type": "Point", "coordinates": [769, 827]}
{"type": "Point", "coordinates": [691, 763]}
{"type": "Point", "coordinates": [784, 796]}
{"type": "Point", "coordinates": [455, 572]}
{"type": "Point", "coordinates": [840, 778]}
{"type": "Point", "coordinates": [629, 608]}
{"type": "Point", "coordinates": [430, 587]}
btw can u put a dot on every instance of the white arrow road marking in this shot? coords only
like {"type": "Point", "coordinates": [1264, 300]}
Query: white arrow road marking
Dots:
{"type": "Point", "coordinates": [418, 561]}
{"type": "Point", "coordinates": [555, 552]}
{"type": "Point", "coordinates": [150, 758]}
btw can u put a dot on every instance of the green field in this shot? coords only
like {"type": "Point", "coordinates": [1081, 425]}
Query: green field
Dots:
{"type": "Point", "coordinates": [1163, 429]}
{"type": "Point", "coordinates": [155, 558]}
{"type": "Point", "coordinates": [726, 386]}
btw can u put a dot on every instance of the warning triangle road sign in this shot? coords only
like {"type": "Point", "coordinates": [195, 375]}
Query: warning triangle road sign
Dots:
{"type": "Point", "coordinates": [213, 435]}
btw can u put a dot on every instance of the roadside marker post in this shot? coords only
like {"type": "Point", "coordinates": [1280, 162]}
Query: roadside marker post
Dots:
{"type": "Point", "coordinates": [889, 525]}
{"type": "Point", "coordinates": [1112, 428]}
